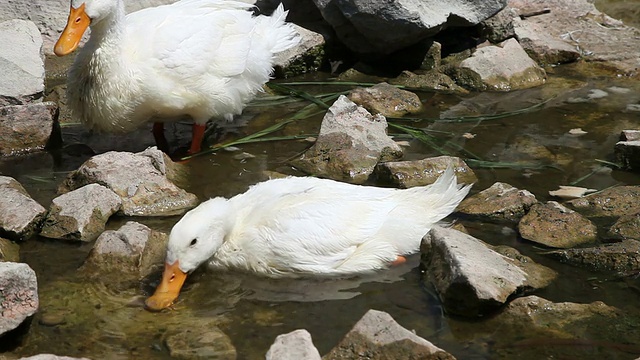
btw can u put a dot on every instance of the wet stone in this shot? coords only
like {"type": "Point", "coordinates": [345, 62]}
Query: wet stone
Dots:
{"type": "Point", "coordinates": [209, 343]}
{"type": "Point", "coordinates": [9, 251]}
{"type": "Point", "coordinates": [20, 215]}
{"type": "Point", "coordinates": [554, 225]}
{"type": "Point", "coordinates": [350, 144]}
{"type": "Point", "coordinates": [378, 336]}
{"type": "Point", "coordinates": [386, 99]}
{"type": "Point", "coordinates": [28, 128]}
{"type": "Point", "coordinates": [142, 180]}
{"type": "Point", "coordinates": [610, 203]}
{"type": "Point", "coordinates": [296, 345]}
{"type": "Point", "coordinates": [406, 174]}
{"type": "Point", "coordinates": [622, 256]}
{"type": "Point", "coordinates": [471, 279]}
{"type": "Point", "coordinates": [430, 80]}
{"type": "Point", "coordinates": [627, 227]}
{"type": "Point", "coordinates": [627, 153]}
{"type": "Point", "coordinates": [81, 214]}
{"type": "Point", "coordinates": [500, 202]}
{"type": "Point", "coordinates": [18, 294]}
{"type": "Point", "coordinates": [54, 318]}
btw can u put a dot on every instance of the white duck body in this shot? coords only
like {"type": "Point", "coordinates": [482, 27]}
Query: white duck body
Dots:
{"type": "Point", "coordinates": [199, 58]}
{"type": "Point", "coordinates": [306, 225]}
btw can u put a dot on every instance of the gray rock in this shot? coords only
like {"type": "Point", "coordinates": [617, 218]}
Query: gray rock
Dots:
{"type": "Point", "coordinates": [142, 181]}
{"type": "Point", "coordinates": [18, 294]}
{"type": "Point", "coordinates": [81, 214]}
{"type": "Point", "coordinates": [28, 128]}
{"type": "Point", "coordinates": [470, 278]}
{"type": "Point", "coordinates": [406, 174]}
{"type": "Point", "coordinates": [21, 61]}
{"type": "Point", "coordinates": [307, 56]}
{"type": "Point", "coordinates": [9, 251]}
{"type": "Point", "coordinates": [378, 336]}
{"type": "Point", "coordinates": [627, 227]}
{"type": "Point", "coordinates": [534, 36]}
{"type": "Point", "coordinates": [207, 342]}
{"type": "Point", "coordinates": [622, 256]}
{"type": "Point", "coordinates": [296, 345]}
{"type": "Point", "coordinates": [431, 80]}
{"type": "Point", "coordinates": [133, 249]}
{"type": "Point", "coordinates": [609, 203]}
{"type": "Point", "coordinates": [554, 225]}
{"type": "Point", "coordinates": [20, 215]}
{"type": "Point", "coordinates": [50, 357]}
{"type": "Point", "coordinates": [630, 135]}
{"type": "Point", "coordinates": [500, 202]}
{"type": "Point", "coordinates": [350, 144]}
{"type": "Point", "coordinates": [499, 27]}
{"type": "Point", "coordinates": [500, 68]}
{"type": "Point", "coordinates": [386, 99]}
{"type": "Point", "coordinates": [627, 154]}
{"type": "Point", "coordinates": [386, 26]}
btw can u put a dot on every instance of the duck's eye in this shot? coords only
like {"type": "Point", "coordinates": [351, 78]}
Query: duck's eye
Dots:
{"type": "Point", "coordinates": [193, 242]}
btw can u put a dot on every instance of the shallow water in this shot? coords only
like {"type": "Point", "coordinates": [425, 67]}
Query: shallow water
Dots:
{"type": "Point", "coordinates": [104, 321]}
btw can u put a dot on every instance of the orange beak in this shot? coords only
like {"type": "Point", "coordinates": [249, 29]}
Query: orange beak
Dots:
{"type": "Point", "coordinates": [169, 288]}
{"type": "Point", "coordinates": [77, 24]}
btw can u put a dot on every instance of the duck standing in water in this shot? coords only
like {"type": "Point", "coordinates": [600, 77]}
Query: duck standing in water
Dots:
{"type": "Point", "coordinates": [305, 226]}
{"type": "Point", "coordinates": [204, 59]}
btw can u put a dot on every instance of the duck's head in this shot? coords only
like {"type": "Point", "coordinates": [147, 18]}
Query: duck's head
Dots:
{"type": "Point", "coordinates": [193, 241]}
{"type": "Point", "coordinates": [82, 14]}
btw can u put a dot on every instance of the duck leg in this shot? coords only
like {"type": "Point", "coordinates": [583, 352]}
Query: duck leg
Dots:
{"type": "Point", "coordinates": [196, 138]}
{"type": "Point", "coordinates": [158, 134]}
{"type": "Point", "coordinates": [399, 261]}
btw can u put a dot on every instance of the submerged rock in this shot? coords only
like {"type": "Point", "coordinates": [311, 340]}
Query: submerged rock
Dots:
{"type": "Point", "coordinates": [296, 345]}
{"type": "Point", "coordinates": [200, 343]}
{"type": "Point", "coordinates": [378, 336]}
{"type": "Point", "coordinates": [20, 215]}
{"type": "Point", "coordinates": [609, 203]}
{"type": "Point", "coordinates": [431, 80]}
{"type": "Point", "coordinates": [132, 252]}
{"type": "Point", "coordinates": [350, 144]}
{"type": "Point", "coordinates": [9, 251]}
{"type": "Point", "coordinates": [622, 256]}
{"type": "Point", "coordinates": [406, 174]}
{"type": "Point", "coordinates": [28, 128]}
{"type": "Point", "coordinates": [627, 227]}
{"type": "Point", "coordinates": [470, 278]}
{"type": "Point", "coordinates": [500, 68]}
{"type": "Point", "coordinates": [18, 294]}
{"type": "Point", "coordinates": [500, 202]}
{"type": "Point", "coordinates": [81, 214]}
{"type": "Point", "coordinates": [554, 225]}
{"type": "Point", "coordinates": [142, 180]}
{"type": "Point", "coordinates": [386, 99]}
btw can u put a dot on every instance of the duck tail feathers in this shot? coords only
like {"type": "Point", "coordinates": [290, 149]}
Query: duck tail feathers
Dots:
{"type": "Point", "coordinates": [445, 194]}
{"type": "Point", "coordinates": [282, 35]}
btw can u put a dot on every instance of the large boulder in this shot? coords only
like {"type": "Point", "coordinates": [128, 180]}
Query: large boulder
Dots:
{"type": "Point", "coordinates": [382, 27]}
{"type": "Point", "coordinates": [20, 215]}
{"type": "Point", "coordinates": [21, 61]}
{"type": "Point", "coordinates": [142, 180]}
{"type": "Point", "coordinates": [18, 294]}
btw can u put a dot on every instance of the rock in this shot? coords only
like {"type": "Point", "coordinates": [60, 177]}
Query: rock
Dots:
{"type": "Point", "coordinates": [431, 80]}
{"type": "Point", "coordinates": [627, 227]}
{"type": "Point", "coordinates": [364, 26]}
{"type": "Point", "coordinates": [296, 345]}
{"type": "Point", "coordinates": [523, 148]}
{"type": "Point", "coordinates": [21, 61]}
{"type": "Point", "coordinates": [622, 256]}
{"type": "Point", "coordinates": [18, 294]}
{"type": "Point", "coordinates": [609, 203]}
{"type": "Point", "coordinates": [81, 214]}
{"type": "Point", "coordinates": [505, 67]}
{"type": "Point", "coordinates": [500, 202]}
{"type": "Point", "coordinates": [406, 174]}
{"type": "Point", "coordinates": [627, 154]}
{"type": "Point", "coordinates": [499, 27]}
{"type": "Point", "coordinates": [534, 35]}
{"type": "Point", "coordinates": [471, 279]}
{"type": "Point", "coordinates": [131, 252]}
{"type": "Point", "coordinates": [570, 192]}
{"type": "Point", "coordinates": [350, 144]}
{"type": "Point", "coordinates": [307, 56]}
{"type": "Point", "coordinates": [538, 276]}
{"type": "Point", "coordinates": [50, 357]}
{"type": "Point", "coordinates": [378, 336]}
{"type": "Point", "coordinates": [554, 225]}
{"type": "Point", "coordinates": [386, 99]}
{"type": "Point", "coordinates": [141, 180]}
{"type": "Point", "coordinates": [9, 251]}
{"type": "Point", "coordinates": [53, 318]}
{"type": "Point", "coordinates": [200, 343]}
{"type": "Point", "coordinates": [28, 128]}
{"type": "Point", "coordinates": [20, 215]}
{"type": "Point", "coordinates": [630, 135]}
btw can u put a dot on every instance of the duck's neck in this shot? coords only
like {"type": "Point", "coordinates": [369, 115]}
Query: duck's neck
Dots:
{"type": "Point", "coordinates": [109, 31]}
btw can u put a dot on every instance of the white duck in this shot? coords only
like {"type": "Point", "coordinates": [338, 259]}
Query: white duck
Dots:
{"type": "Point", "coordinates": [304, 225]}
{"type": "Point", "coordinates": [199, 58]}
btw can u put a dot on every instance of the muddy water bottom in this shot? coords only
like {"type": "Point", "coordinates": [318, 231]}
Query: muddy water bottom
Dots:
{"type": "Point", "coordinates": [105, 320]}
